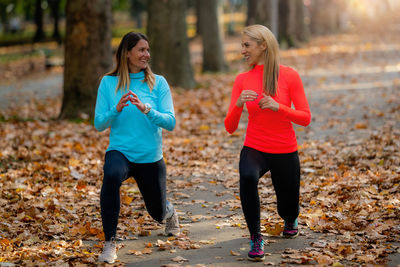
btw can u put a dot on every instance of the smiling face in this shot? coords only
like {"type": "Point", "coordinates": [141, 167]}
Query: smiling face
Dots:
{"type": "Point", "coordinates": [252, 51]}
{"type": "Point", "coordinates": [139, 56]}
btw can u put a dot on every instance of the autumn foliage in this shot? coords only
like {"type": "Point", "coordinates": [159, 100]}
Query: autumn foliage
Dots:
{"type": "Point", "coordinates": [51, 171]}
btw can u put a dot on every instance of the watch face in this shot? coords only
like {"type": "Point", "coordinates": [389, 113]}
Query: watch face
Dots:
{"type": "Point", "coordinates": [148, 108]}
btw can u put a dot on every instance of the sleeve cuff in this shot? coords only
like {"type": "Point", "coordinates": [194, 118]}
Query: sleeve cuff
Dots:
{"type": "Point", "coordinates": [150, 114]}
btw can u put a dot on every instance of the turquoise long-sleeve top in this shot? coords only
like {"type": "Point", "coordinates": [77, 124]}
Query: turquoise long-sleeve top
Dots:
{"type": "Point", "coordinates": [136, 135]}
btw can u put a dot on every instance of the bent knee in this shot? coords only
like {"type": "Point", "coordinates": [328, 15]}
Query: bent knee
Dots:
{"type": "Point", "coordinates": [158, 216]}
{"type": "Point", "coordinates": [249, 176]}
{"type": "Point", "coordinates": [112, 176]}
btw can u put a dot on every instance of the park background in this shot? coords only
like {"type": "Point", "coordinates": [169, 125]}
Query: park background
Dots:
{"type": "Point", "coordinates": [52, 55]}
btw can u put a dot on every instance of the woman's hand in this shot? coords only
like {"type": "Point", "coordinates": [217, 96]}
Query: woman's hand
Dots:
{"type": "Point", "coordinates": [122, 102]}
{"type": "Point", "coordinates": [268, 102]}
{"type": "Point", "coordinates": [136, 101]}
{"type": "Point", "coordinates": [245, 96]}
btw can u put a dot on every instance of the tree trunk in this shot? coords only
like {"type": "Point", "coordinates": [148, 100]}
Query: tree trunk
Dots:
{"type": "Point", "coordinates": [55, 11]}
{"type": "Point", "coordinates": [251, 12]}
{"type": "Point", "coordinates": [264, 12]}
{"type": "Point", "coordinates": [291, 22]}
{"type": "Point", "coordinates": [213, 52]}
{"type": "Point", "coordinates": [27, 7]}
{"type": "Point", "coordinates": [198, 18]}
{"type": "Point", "coordinates": [88, 55]}
{"type": "Point", "coordinates": [274, 18]}
{"type": "Point", "coordinates": [169, 42]}
{"type": "Point", "coordinates": [296, 30]}
{"type": "Point", "coordinates": [4, 17]}
{"type": "Point", "coordinates": [324, 16]}
{"type": "Point", "coordinates": [39, 35]}
{"type": "Point", "coordinates": [301, 28]}
{"type": "Point", "coordinates": [137, 8]}
{"type": "Point", "coordinates": [284, 10]}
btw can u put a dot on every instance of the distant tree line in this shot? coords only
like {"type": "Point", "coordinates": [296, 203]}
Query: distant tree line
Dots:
{"type": "Point", "coordinates": [14, 12]}
{"type": "Point", "coordinates": [88, 52]}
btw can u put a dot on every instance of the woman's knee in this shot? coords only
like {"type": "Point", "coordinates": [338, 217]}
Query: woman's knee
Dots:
{"type": "Point", "coordinates": [248, 177]}
{"type": "Point", "coordinates": [156, 212]}
{"type": "Point", "coordinates": [112, 176]}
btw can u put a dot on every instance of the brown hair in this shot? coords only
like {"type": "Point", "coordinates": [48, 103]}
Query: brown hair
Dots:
{"type": "Point", "coordinates": [121, 69]}
{"type": "Point", "coordinates": [262, 34]}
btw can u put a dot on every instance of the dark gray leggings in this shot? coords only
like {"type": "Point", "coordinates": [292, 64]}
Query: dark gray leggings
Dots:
{"type": "Point", "coordinates": [150, 178]}
{"type": "Point", "coordinates": [285, 174]}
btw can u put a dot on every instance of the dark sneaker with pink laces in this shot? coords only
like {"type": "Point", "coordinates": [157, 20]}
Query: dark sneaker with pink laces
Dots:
{"type": "Point", "coordinates": [256, 252]}
{"type": "Point", "coordinates": [290, 230]}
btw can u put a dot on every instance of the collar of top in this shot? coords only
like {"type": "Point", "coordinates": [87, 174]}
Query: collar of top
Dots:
{"type": "Point", "coordinates": [258, 67]}
{"type": "Point", "coordinates": [139, 75]}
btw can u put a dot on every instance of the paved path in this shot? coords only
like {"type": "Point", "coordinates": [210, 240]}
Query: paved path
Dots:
{"type": "Point", "coordinates": [38, 86]}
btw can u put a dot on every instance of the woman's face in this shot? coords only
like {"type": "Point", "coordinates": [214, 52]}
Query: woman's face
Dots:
{"type": "Point", "coordinates": [139, 56]}
{"type": "Point", "coordinates": [252, 51]}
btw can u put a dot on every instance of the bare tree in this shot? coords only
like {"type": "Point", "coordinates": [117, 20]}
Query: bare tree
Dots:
{"type": "Point", "coordinates": [299, 27]}
{"type": "Point", "coordinates": [169, 42]}
{"type": "Point", "coordinates": [198, 18]}
{"type": "Point", "coordinates": [213, 52]}
{"type": "Point", "coordinates": [324, 16]}
{"type": "Point", "coordinates": [251, 12]}
{"type": "Point", "coordinates": [39, 34]}
{"type": "Point", "coordinates": [292, 27]}
{"type": "Point", "coordinates": [88, 54]}
{"type": "Point", "coordinates": [264, 12]}
{"type": "Point", "coordinates": [55, 12]}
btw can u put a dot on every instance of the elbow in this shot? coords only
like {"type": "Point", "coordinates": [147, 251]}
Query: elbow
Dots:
{"type": "Point", "coordinates": [308, 120]}
{"type": "Point", "coordinates": [99, 127]}
{"type": "Point", "coordinates": [171, 126]}
{"type": "Point", "coordinates": [229, 129]}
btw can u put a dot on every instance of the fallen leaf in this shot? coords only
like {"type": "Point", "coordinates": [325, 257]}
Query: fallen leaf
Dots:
{"type": "Point", "coordinates": [179, 259]}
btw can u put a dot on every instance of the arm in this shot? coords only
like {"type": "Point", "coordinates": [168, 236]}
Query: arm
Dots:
{"type": "Point", "coordinates": [234, 112]}
{"type": "Point", "coordinates": [164, 117]}
{"type": "Point", "coordinates": [104, 114]}
{"type": "Point", "coordinates": [301, 114]}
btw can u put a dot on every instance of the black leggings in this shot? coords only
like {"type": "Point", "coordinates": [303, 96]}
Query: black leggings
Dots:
{"type": "Point", "coordinates": [285, 174]}
{"type": "Point", "coordinates": [150, 178]}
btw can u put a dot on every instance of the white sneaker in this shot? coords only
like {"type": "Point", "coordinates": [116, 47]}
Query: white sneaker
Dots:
{"type": "Point", "coordinates": [109, 253]}
{"type": "Point", "coordinates": [172, 225]}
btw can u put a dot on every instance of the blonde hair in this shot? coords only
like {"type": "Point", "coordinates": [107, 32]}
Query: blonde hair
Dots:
{"type": "Point", "coordinates": [261, 34]}
{"type": "Point", "coordinates": [122, 70]}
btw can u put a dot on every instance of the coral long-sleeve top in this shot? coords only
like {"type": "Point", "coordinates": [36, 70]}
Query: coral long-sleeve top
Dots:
{"type": "Point", "coordinates": [270, 131]}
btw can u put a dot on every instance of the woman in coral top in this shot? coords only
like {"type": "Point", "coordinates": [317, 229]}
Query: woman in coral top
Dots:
{"type": "Point", "coordinates": [268, 91]}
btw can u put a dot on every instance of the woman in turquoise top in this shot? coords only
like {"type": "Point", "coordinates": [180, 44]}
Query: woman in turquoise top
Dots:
{"type": "Point", "coordinates": [135, 104]}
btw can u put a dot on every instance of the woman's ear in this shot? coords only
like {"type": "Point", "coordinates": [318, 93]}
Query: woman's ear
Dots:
{"type": "Point", "coordinates": [263, 46]}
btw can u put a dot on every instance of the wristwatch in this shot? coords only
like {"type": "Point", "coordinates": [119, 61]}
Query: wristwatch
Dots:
{"type": "Point", "coordinates": [147, 109]}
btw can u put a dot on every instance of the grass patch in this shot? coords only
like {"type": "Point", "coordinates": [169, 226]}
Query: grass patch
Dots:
{"type": "Point", "coordinates": [118, 32]}
{"type": "Point", "coordinates": [20, 55]}
{"type": "Point", "coordinates": [14, 118]}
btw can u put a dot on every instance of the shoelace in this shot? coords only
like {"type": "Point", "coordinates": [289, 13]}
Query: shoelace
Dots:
{"type": "Point", "coordinates": [290, 227]}
{"type": "Point", "coordinates": [256, 243]}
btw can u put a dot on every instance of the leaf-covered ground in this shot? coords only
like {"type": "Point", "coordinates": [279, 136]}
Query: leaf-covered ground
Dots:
{"type": "Point", "coordinates": [51, 171]}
